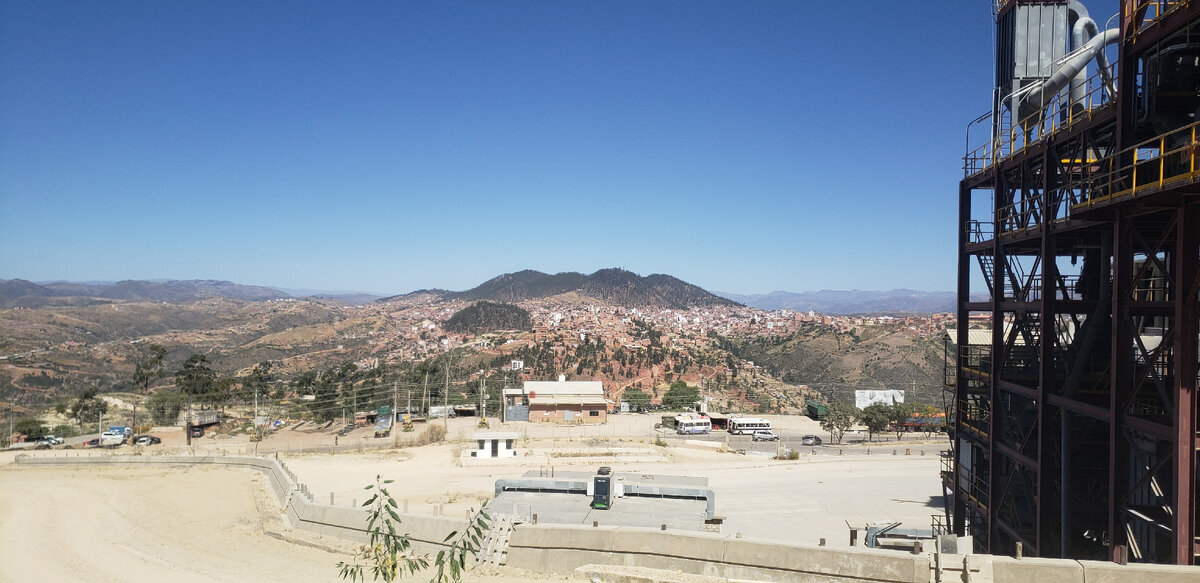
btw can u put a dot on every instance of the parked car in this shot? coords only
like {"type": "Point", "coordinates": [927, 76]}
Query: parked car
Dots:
{"type": "Point", "coordinates": [764, 435]}
{"type": "Point", "coordinates": [197, 432]}
{"type": "Point", "coordinates": [146, 440]}
{"type": "Point", "coordinates": [45, 440]}
{"type": "Point", "coordinates": [112, 438]}
{"type": "Point", "coordinates": [92, 443]}
{"type": "Point", "coordinates": [810, 440]}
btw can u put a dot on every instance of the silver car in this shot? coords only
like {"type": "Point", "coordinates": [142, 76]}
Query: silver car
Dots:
{"type": "Point", "coordinates": [764, 435]}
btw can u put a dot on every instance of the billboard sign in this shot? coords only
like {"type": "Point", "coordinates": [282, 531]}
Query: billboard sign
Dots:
{"type": "Point", "coordinates": [863, 399]}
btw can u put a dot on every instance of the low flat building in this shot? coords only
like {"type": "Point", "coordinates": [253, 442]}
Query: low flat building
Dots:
{"type": "Point", "coordinates": [560, 401]}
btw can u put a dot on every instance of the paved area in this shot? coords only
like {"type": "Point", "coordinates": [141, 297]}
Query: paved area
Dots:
{"type": "Point", "coordinates": [553, 508]}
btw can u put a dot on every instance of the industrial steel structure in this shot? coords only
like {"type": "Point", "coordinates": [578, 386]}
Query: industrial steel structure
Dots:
{"type": "Point", "coordinates": [1075, 429]}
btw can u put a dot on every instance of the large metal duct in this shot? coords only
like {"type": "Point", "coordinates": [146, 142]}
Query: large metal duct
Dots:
{"type": "Point", "coordinates": [1036, 96]}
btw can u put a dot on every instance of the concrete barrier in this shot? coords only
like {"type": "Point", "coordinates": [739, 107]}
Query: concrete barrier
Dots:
{"type": "Point", "coordinates": [562, 549]}
{"type": "Point", "coordinates": [1011, 570]}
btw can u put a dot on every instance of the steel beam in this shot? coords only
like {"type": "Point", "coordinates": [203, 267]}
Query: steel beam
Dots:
{"type": "Point", "coordinates": [1187, 267]}
{"type": "Point", "coordinates": [1122, 271]}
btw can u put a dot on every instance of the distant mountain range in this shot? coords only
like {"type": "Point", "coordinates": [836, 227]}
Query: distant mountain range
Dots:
{"type": "Point", "coordinates": [851, 302]}
{"type": "Point", "coordinates": [613, 286]}
{"type": "Point", "coordinates": [22, 293]}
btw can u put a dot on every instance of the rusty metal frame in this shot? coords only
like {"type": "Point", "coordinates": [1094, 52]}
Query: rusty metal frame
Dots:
{"type": "Point", "coordinates": [1038, 210]}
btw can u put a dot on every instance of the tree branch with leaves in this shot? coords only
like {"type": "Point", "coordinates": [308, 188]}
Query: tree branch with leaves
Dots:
{"type": "Point", "coordinates": [388, 554]}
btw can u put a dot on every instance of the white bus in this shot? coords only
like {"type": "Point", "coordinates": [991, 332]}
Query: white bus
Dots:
{"type": "Point", "coordinates": [748, 425]}
{"type": "Point", "coordinates": [692, 425]}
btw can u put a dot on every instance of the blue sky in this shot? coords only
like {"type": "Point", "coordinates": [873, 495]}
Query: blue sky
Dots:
{"type": "Point", "coordinates": [391, 146]}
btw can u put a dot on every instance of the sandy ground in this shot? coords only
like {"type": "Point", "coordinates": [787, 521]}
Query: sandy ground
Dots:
{"type": "Point", "coordinates": [207, 524]}
{"type": "Point", "coordinates": [140, 524]}
{"type": "Point", "coordinates": [146, 524]}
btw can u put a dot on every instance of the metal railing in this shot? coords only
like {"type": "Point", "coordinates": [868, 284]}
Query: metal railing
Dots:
{"type": "Point", "coordinates": [1163, 161]}
{"type": "Point", "coordinates": [1055, 116]}
{"type": "Point", "coordinates": [975, 359]}
{"type": "Point", "coordinates": [980, 231]}
{"type": "Point", "coordinates": [975, 415]}
{"type": "Point", "coordinates": [1154, 10]}
{"type": "Point", "coordinates": [1020, 215]}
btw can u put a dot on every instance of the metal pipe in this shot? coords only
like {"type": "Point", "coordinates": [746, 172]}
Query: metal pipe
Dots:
{"type": "Point", "coordinates": [1084, 31]}
{"type": "Point", "coordinates": [1037, 95]}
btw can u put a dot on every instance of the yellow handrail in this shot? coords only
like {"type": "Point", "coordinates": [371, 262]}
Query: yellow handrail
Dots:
{"type": "Point", "coordinates": [1155, 157]}
{"type": "Point", "coordinates": [1015, 137]}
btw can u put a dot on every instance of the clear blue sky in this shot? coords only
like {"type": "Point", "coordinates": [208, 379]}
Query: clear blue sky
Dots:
{"type": "Point", "coordinates": [390, 146]}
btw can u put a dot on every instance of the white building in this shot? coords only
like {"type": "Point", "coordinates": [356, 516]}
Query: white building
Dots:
{"type": "Point", "coordinates": [494, 444]}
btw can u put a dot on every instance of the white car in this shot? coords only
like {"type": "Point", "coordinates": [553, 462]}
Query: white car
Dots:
{"type": "Point", "coordinates": [764, 435]}
{"type": "Point", "coordinates": [112, 438]}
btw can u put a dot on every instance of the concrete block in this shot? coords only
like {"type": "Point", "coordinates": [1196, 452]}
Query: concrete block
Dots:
{"type": "Point", "coordinates": [431, 530]}
{"type": "Point", "coordinates": [687, 546]}
{"type": "Point", "coordinates": [861, 564]}
{"type": "Point", "coordinates": [563, 537]}
{"type": "Point", "coordinates": [1011, 570]}
{"type": "Point", "coordinates": [558, 561]}
{"type": "Point", "coordinates": [1105, 572]}
{"type": "Point", "coordinates": [617, 574]}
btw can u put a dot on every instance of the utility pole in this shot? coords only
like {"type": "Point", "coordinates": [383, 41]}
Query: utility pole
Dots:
{"type": "Point", "coordinates": [446, 398]}
{"type": "Point", "coordinates": [408, 408]}
{"type": "Point", "coordinates": [187, 426]}
{"type": "Point", "coordinates": [425, 397]}
{"type": "Point", "coordinates": [395, 404]}
{"type": "Point", "coordinates": [257, 425]}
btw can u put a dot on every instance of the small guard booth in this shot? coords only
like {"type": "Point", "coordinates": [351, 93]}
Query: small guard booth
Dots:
{"type": "Point", "coordinates": [494, 444]}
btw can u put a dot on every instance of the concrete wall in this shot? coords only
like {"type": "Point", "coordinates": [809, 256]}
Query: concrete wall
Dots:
{"type": "Point", "coordinates": [1010, 570]}
{"type": "Point", "coordinates": [560, 549]}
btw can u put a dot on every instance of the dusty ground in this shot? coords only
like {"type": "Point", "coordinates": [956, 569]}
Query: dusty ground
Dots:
{"type": "Point", "coordinates": [143, 524]}
{"type": "Point", "coordinates": [148, 524]}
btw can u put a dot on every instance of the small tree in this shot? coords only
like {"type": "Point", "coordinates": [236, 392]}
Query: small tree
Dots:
{"type": "Point", "coordinates": [87, 407]}
{"type": "Point", "coordinates": [29, 427]}
{"type": "Point", "coordinates": [195, 379]}
{"type": "Point", "coordinates": [839, 418]}
{"type": "Point", "coordinates": [258, 382]}
{"type": "Point", "coordinates": [164, 407]}
{"type": "Point", "coordinates": [150, 367]}
{"type": "Point", "coordinates": [900, 413]}
{"type": "Point", "coordinates": [388, 553]}
{"type": "Point", "coordinates": [638, 400]}
{"type": "Point", "coordinates": [876, 417]}
{"type": "Point", "coordinates": [680, 396]}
